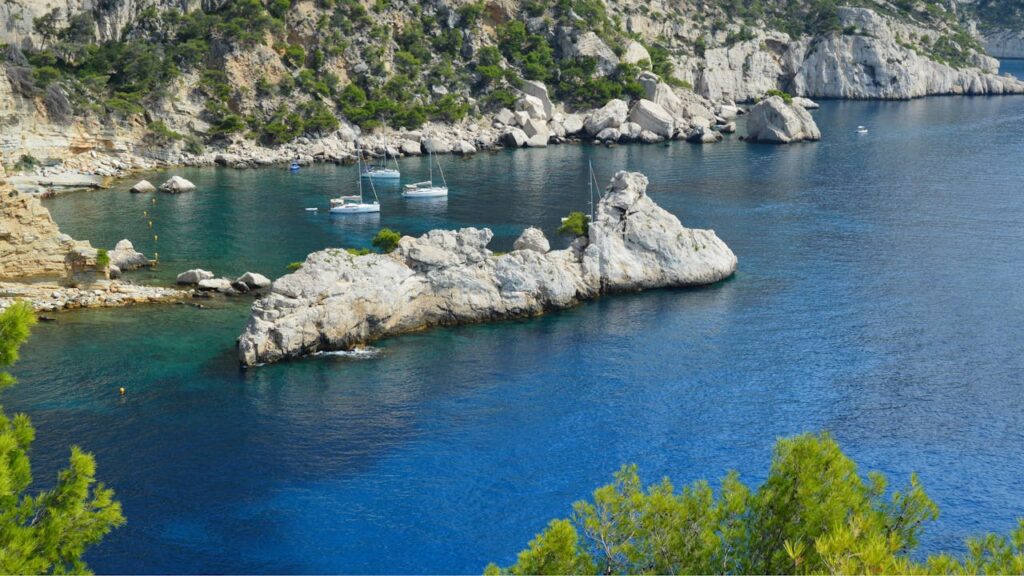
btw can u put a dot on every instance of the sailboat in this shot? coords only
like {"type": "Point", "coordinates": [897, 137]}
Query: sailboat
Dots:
{"type": "Point", "coordinates": [591, 183]}
{"type": "Point", "coordinates": [382, 171]}
{"type": "Point", "coordinates": [427, 188]}
{"type": "Point", "coordinates": [356, 204]}
{"type": "Point", "coordinates": [862, 130]}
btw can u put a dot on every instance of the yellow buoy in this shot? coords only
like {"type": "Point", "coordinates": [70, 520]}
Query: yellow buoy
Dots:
{"type": "Point", "coordinates": [122, 390]}
{"type": "Point", "coordinates": [145, 213]}
{"type": "Point", "coordinates": [150, 223]}
{"type": "Point", "coordinates": [155, 237]}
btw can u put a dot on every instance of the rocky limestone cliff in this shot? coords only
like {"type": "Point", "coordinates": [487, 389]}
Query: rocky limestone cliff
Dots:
{"type": "Point", "coordinates": [31, 245]}
{"type": "Point", "coordinates": [337, 300]}
{"type": "Point", "coordinates": [1004, 43]}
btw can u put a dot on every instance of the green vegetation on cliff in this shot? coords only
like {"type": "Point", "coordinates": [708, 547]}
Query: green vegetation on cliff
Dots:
{"type": "Point", "coordinates": [814, 514]}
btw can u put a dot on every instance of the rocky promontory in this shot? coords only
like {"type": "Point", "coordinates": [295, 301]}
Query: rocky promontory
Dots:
{"type": "Point", "coordinates": [338, 300]}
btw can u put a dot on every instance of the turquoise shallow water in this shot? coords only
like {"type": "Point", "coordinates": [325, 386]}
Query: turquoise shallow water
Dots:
{"type": "Point", "coordinates": [879, 297]}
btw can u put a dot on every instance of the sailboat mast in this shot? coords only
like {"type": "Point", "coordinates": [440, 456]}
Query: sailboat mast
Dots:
{"type": "Point", "coordinates": [430, 164]}
{"type": "Point", "coordinates": [441, 170]}
{"type": "Point", "coordinates": [590, 185]}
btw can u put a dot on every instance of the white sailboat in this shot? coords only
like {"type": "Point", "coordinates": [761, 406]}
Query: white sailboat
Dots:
{"type": "Point", "coordinates": [427, 188]}
{"type": "Point", "coordinates": [862, 130]}
{"type": "Point", "coordinates": [591, 183]}
{"type": "Point", "coordinates": [356, 204]}
{"type": "Point", "coordinates": [382, 171]}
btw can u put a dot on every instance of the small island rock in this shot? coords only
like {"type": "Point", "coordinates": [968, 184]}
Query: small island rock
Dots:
{"type": "Point", "coordinates": [773, 120]}
{"type": "Point", "coordinates": [142, 187]}
{"type": "Point", "coordinates": [177, 185]}
{"type": "Point", "coordinates": [194, 276]}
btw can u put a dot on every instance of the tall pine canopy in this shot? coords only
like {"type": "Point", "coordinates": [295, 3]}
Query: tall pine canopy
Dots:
{"type": "Point", "coordinates": [44, 531]}
{"type": "Point", "coordinates": [814, 514]}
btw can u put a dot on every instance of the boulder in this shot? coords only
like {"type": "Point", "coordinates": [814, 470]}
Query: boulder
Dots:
{"type": "Point", "coordinates": [573, 124]}
{"type": "Point", "coordinates": [590, 45]}
{"type": "Point", "coordinates": [465, 148]}
{"type": "Point", "coordinates": [727, 128]}
{"type": "Point", "coordinates": [253, 280]}
{"type": "Point", "coordinates": [142, 187]}
{"type": "Point", "coordinates": [648, 137]}
{"type": "Point", "coordinates": [514, 138]}
{"type": "Point", "coordinates": [532, 239]}
{"type": "Point", "coordinates": [805, 103]}
{"type": "Point", "coordinates": [194, 276]}
{"type": "Point", "coordinates": [539, 91]}
{"type": "Point", "coordinates": [611, 115]}
{"type": "Point", "coordinates": [222, 285]}
{"type": "Point", "coordinates": [635, 53]}
{"type": "Point", "coordinates": [445, 277]}
{"type": "Point", "coordinates": [556, 128]}
{"type": "Point", "coordinates": [728, 111]}
{"type": "Point", "coordinates": [410, 148]}
{"type": "Point", "coordinates": [537, 133]}
{"type": "Point", "coordinates": [435, 145]}
{"type": "Point", "coordinates": [505, 116]}
{"type": "Point", "coordinates": [177, 185]}
{"type": "Point", "coordinates": [773, 120]}
{"type": "Point", "coordinates": [521, 117]}
{"type": "Point", "coordinates": [652, 116]}
{"type": "Point", "coordinates": [608, 135]}
{"type": "Point", "coordinates": [630, 131]}
{"type": "Point", "coordinates": [702, 135]}
{"type": "Point", "coordinates": [125, 257]}
{"type": "Point", "coordinates": [532, 106]}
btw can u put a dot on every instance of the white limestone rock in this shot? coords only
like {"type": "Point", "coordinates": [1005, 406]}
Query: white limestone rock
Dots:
{"type": "Point", "coordinates": [514, 138]}
{"type": "Point", "coordinates": [573, 124]}
{"type": "Point", "coordinates": [337, 300]}
{"type": "Point", "coordinates": [253, 280]}
{"type": "Point", "coordinates": [805, 103]}
{"type": "Point", "coordinates": [532, 239]}
{"type": "Point", "coordinates": [773, 120]}
{"type": "Point", "coordinates": [505, 116]}
{"type": "Point", "coordinates": [538, 90]}
{"type": "Point", "coordinates": [653, 117]}
{"type": "Point", "coordinates": [635, 53]}
{"type": "Point", "coordinates": [125, 257]}
{"type": "Point", "coordinates": [142, 187]}
{"type": "Point", "coordinates": [410, 148]}
{"type": "Point", "coordinates": [532, 106]}
{"type": "Point", "coordinates": [611, 115]}
{"type": "Point", "coordinates": [177, 185]}
{"type": "Point", "coordinates": [608, 135]}
{"type": "Point", "coordinates": [194, 276]}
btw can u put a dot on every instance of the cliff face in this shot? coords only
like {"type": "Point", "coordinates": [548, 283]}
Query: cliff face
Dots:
{"type": "Point", "coordinates": [280, 71]}
{"type": "Point", "coordinates": [1004, 43]}
{"type": "Point", "coordinates": [31, 245]}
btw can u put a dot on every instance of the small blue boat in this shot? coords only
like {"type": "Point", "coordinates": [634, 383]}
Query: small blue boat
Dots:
{"type": "Point", "coordinates": [294, 167]}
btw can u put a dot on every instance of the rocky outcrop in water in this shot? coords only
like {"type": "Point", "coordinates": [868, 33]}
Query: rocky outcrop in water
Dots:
{"type": "Point", "coordinates": [338, 300]}
{"type": "Point", "coordinates": [774, 120]}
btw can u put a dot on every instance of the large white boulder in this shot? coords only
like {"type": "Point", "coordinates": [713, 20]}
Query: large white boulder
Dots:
{"type": "Point", "coordinates": [142, 187]}
{"type": "Point", "coordinates": [444, 277]}
{"type": "Point", "coordinates": [514, 138]}
{"type": "Point", "coordinates": [573, 124]}
{"type": "Point", "coordinates": [532, 239]}
{"type": "Point", "coordinates": [590, 45]}
{"type": "Point", "coordinates": [539, 91]}
{"type": "Point", "coordinates": [537, 133]}
{"type": "Point", "coordinates": [652, 116]}
{"type": "Point", "coordinates": [194, 276]}
{"type": "Point", "coordinates": [773, 120]}
{"type": "Point", "coordinates": [177, 185]}
{"type": "Point", "coordinates": [532, 105]}
{"type": "Point", "coordinates": [611, 115]}
{"type": "Point", "coordinates": [410, 148]}
{"type": "Point", "coordinates": [635, 53]}
{"type": "Point", "coordinates": [125, 257]}
{"type": "Point", "coordinates": [253, 280]}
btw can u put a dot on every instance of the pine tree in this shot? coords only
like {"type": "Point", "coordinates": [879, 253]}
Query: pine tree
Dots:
{"type": "Point", "coordinates": [47, 532]}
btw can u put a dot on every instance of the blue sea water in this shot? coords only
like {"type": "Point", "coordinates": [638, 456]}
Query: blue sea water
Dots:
{"type": "Point", "coordinates": [879, 297]}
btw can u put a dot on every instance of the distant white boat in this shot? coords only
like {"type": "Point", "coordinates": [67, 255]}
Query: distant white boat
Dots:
{"type": "Point", "coordinates": [427, 188]}
{"type": "Point", "coordinates": [356, 204]}
{"type": "Point", "coordinates": [382, 172]}
{"type": "Point", "coordinates": [862, 130]}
